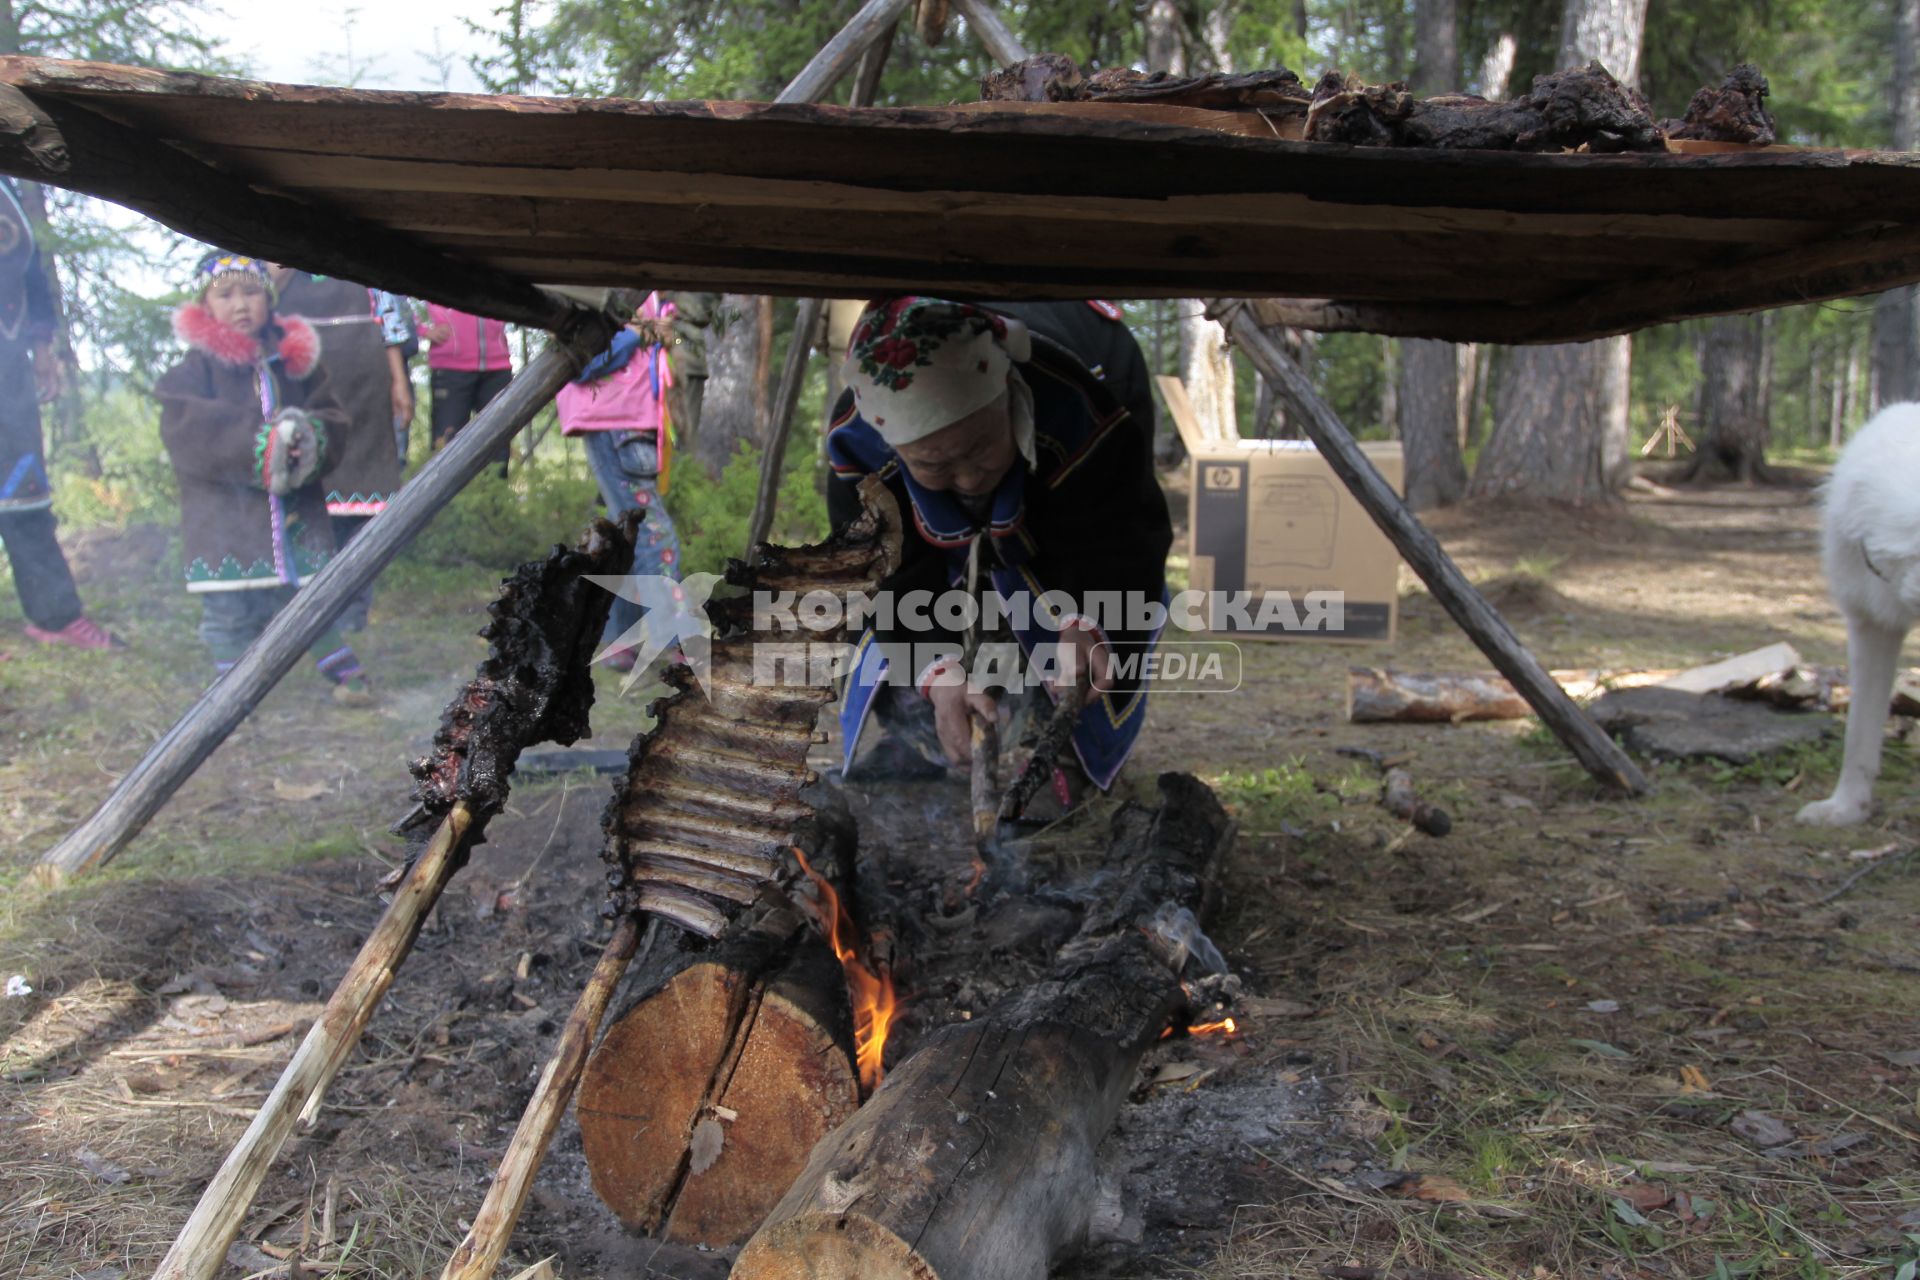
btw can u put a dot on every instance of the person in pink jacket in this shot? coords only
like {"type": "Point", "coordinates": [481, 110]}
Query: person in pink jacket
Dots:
{"type": "Point", "coordinates": [618, 408]}
{"type": "Point", "coordinates": [468, 364]}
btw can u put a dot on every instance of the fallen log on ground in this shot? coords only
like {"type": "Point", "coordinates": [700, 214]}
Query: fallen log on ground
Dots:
{"type": "Point", "coordinates": [975, 1160]}
{"type": "Point", "coordinates": [1774, 674]}
{"type": "Point", "coordinates": [1376, 696]}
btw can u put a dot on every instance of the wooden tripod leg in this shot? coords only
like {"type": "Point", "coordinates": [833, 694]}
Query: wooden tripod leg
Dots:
{"type": "Point", "coordinates": [201, 1247]}
{"type": "Point", "coordinates": [1601, 755]}
{"type": "Point", "coordinates": [481, 1251]}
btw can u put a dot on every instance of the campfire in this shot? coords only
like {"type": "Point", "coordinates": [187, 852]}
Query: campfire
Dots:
{"type": "Point", "coordinates": [743, 1096]}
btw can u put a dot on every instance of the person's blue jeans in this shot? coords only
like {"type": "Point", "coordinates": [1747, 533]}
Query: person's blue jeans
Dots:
{"type": "Point", "coordinates": [626, 466]}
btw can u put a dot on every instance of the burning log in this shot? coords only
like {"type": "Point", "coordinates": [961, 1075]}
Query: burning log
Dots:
{"type": "Point", "coordinates": [975, 1160]}
{"type": "Point", "coordinates": [706, 1096]}
{"type": "Point", "coordinates": [531, 686]}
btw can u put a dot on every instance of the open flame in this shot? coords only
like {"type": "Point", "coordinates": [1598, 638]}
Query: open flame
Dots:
{"type": "Point", "coordinates": [1224, 1027]}
{"type": "Point", "coordinates": [872, 993]}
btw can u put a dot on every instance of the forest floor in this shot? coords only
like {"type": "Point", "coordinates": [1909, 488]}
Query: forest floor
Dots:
{"type": "Point", "coordinates": [1578, 1036]}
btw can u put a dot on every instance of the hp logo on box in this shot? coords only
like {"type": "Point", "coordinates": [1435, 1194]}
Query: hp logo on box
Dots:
{"type": "Point", "coordinates": [1222, 477]}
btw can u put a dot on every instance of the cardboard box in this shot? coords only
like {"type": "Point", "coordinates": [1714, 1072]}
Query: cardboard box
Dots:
{"type": "Point", "coordinates": [1270, 515]}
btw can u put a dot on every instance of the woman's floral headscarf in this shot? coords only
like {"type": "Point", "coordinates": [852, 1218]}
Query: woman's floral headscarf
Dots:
{"type": "Point", "coordinates": [917, 365]}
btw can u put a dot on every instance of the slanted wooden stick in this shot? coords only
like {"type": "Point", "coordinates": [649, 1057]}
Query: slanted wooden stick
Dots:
{"type": "Point", "coordinates": [1039, 766]}
{"type": "Point", "coordinates": [481, 1251]}
{"type": "Point", "coordinates": [984, 780]}
{"type": "Point", "coordinates": [201, 1247]}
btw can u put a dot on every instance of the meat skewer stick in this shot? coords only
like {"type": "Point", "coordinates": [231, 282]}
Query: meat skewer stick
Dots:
{"type": "Point", "coordinates": [533, 685]}
{"type": "Point", "coordinates": [486, 1242]}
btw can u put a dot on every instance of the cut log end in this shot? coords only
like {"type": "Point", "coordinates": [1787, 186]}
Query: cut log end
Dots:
{"type": "Point", "coordinates": [704, 1100]}
{"type": "Point", "coordinates": [814, 1246]}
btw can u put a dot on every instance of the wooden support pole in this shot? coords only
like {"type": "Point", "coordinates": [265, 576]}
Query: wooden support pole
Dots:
{"type": "Point", "coordinates": [872, 54]}
{"type": "Point", "coordinates": [873, 62]}
{"type": "Point", "coordinates": [172, 760]}
{"type": "Point", "coordinates": [201, 1248]}
{"type": "Point", "coordinates": [492, 1229]}
{"type": "Point", "coordinates": [52, 140]}
{"type": "Point", "coordinates": [792, 374]}
{"type": "Point", "coordinates": [993, 33]}
{"type": "Point", "coordinates": [837, 56]}
{"type": "Point", "coordinates": [1601, 755]}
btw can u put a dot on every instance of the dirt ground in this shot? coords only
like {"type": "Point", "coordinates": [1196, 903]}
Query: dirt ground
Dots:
{"type": "Point", "coordinates": [1578, 1036]}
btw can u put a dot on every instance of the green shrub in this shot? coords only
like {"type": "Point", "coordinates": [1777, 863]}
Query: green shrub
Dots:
{"type": "Point", "coordinates": [135, 483]}
{"type": "Point", "coordinates": [712, 515]}
{"type": "Point", "coordinates": [499, 523]}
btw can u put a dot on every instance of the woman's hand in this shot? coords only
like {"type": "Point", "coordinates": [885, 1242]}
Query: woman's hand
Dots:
{"type": "Point", "coordinates": [1084, 652]}
{"type": "Point", "coordinates": [954, 707]}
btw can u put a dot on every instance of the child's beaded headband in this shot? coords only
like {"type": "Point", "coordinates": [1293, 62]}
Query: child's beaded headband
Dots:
{"type": "Point", "coordinates": [217, 264]}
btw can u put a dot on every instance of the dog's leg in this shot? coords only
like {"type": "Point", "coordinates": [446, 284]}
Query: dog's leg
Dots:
{"type": "Point", "coordinates": [1873, 651]}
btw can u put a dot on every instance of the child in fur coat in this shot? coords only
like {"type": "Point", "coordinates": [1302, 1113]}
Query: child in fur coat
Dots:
{"type": "Point", "coordinates": [245, 417]}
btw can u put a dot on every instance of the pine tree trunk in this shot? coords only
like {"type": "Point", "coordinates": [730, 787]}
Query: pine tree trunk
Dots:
{"type": "Point", "coordinates": [1428, 394]}
{"type": "Point", "coordinates": [1430, 424]}
{"type": "Point", "coordinates": [1896, 314]}
{"type": "Point", "coordinates": [1207, 369]}
{"type": "Point", "coordinates": [1837, 401]}
{"type": "Point", "coordinates": [734, 363]}
{"type": "Point", "coordinates": [1496, 68]}
{"type": "Point", "coordinates": [1468, 373]}
{"type": "Point", "coordinates": [1579, 453]}
{"type": "Point", "coordinates": [1763, 384]}
{"type": "Point", "coordinates": [1547, 429]}
{"type": "Point", "coordinates": [1850, 401]}
{"type": "Point", "coordinates": [1733, 434]}
{"type": "Point", "coordinates": [1390, 387]}
{"type": "Point", "coordinates": [1165, 49]}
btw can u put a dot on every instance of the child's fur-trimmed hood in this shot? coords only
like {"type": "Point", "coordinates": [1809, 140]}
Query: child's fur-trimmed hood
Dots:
{"type": "Point", "coordinates": [298, 344]}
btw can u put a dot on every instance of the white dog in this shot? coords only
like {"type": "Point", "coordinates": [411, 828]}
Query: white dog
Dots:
{"type": "Point", "coordinates": [1870, 547]}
